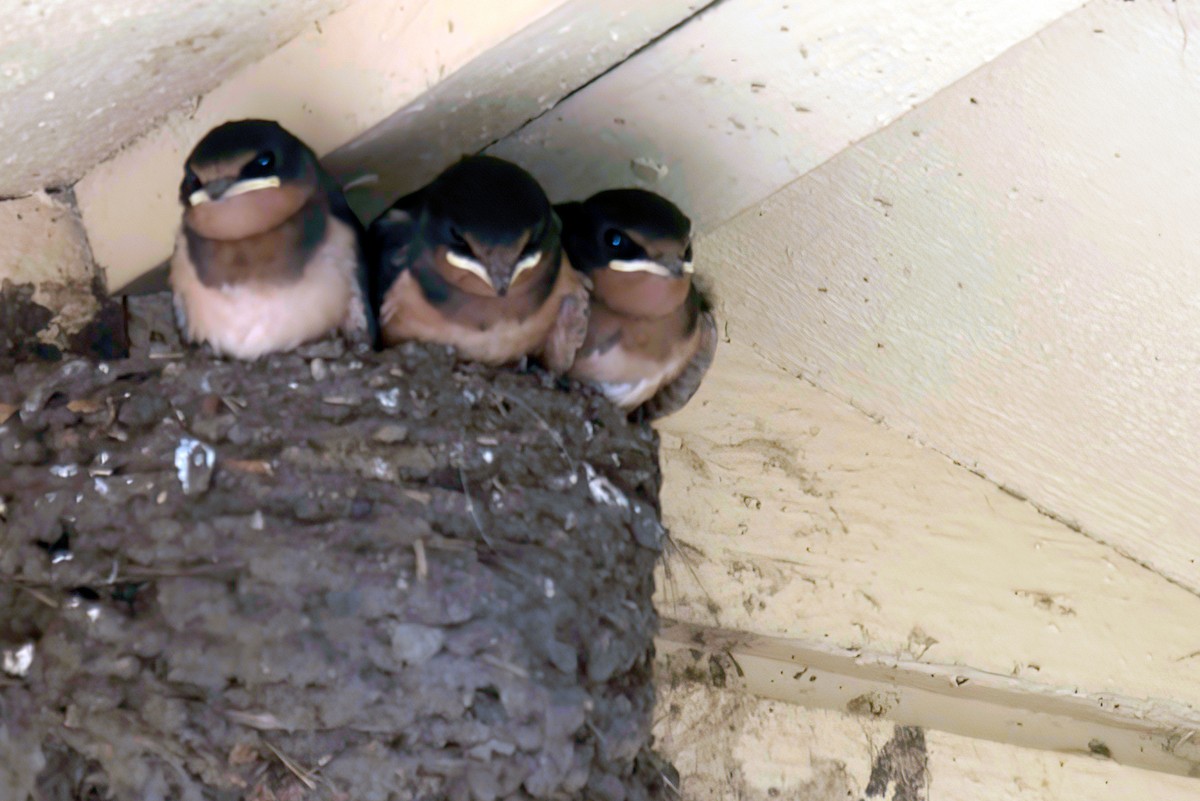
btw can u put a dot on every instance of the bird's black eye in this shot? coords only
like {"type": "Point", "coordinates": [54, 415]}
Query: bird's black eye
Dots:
{"type": "Point", "coordinates": [261, 165]}
{"type": "Point", "coordinates": [614, 239]}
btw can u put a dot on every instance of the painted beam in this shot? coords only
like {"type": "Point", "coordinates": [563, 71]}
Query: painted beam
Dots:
{"type": "Point", "coordinates": [1008, 274]}
{"type": "Point", "coordinates": [1151, 735]}
{"type": "Point", "coordinates": [726, 744]}
{"type": "Point", "coordinates": [754, 93]}
{"type": "Point", "coordinates": [350, 74]}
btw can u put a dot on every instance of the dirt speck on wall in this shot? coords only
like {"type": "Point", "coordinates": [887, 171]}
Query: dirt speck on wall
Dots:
{"type": "Point", "coordinates": [324, 575]}
{"type": "Point", "coordinates": [900, 767]}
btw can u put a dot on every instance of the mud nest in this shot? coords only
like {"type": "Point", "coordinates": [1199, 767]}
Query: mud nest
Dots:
{"type": "Point", "coordinates": [325, 575]}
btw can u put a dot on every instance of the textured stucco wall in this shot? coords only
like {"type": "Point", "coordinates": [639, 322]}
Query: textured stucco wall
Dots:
{"type": "Point", "coordinates": [79, 78]}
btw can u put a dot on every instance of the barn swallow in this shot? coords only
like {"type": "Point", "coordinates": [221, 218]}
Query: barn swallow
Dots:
{"type": "Point", "coordinates": [269, 255]}
{"type": "Point", "coordinates": [651, 337]}
{"type": "Point", "coordinates": [475, 260]}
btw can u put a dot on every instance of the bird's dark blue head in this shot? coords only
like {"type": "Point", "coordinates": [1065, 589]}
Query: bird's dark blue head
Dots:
{"type": "Point", "coordinates": [245, 178]}
{"type": "Point", "coordinates": [491, 219]}
{"type": "Point", "coordinates": [245, 153]}
{"type": "Point", "coordinates": [628, 230]}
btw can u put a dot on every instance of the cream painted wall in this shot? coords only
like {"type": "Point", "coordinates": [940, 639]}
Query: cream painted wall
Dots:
{"type": "Point", "coordinates": [80, 78]}
{"type": "Point", "coordinates": [754, 93]}
{"type": "Point", "coordinates": [1009, 274]}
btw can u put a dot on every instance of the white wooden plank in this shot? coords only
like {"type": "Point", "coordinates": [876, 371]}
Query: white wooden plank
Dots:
{"type": "Point", "coordinates": [753, 93]}
{"type": "Point", "coordinates": [1008, 273]}
{"type": "Point", "coordinates": [498, 92]}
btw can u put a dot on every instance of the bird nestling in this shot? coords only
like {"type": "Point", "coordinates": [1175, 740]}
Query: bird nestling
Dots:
{"type": "Point", "coordinates": [475, 260]}
{"type": "Point", "coordinates": [269, 255]}
{"type": "Point", "coordinates": [651, 337]}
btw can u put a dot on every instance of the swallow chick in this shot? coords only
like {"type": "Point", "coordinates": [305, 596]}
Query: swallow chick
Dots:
{"type": "Point", "coordinates": [269, 255]}
{"type": "Point", "coordinates": [475, 260]}
{"type": "Point", "coordinates": [651, 337]}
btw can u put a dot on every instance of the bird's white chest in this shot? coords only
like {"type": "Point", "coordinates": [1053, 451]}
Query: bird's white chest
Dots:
{"type": "Point", "coordinates": [628, 378]}
{"type": "Point", "coordinates": [250, 319]}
